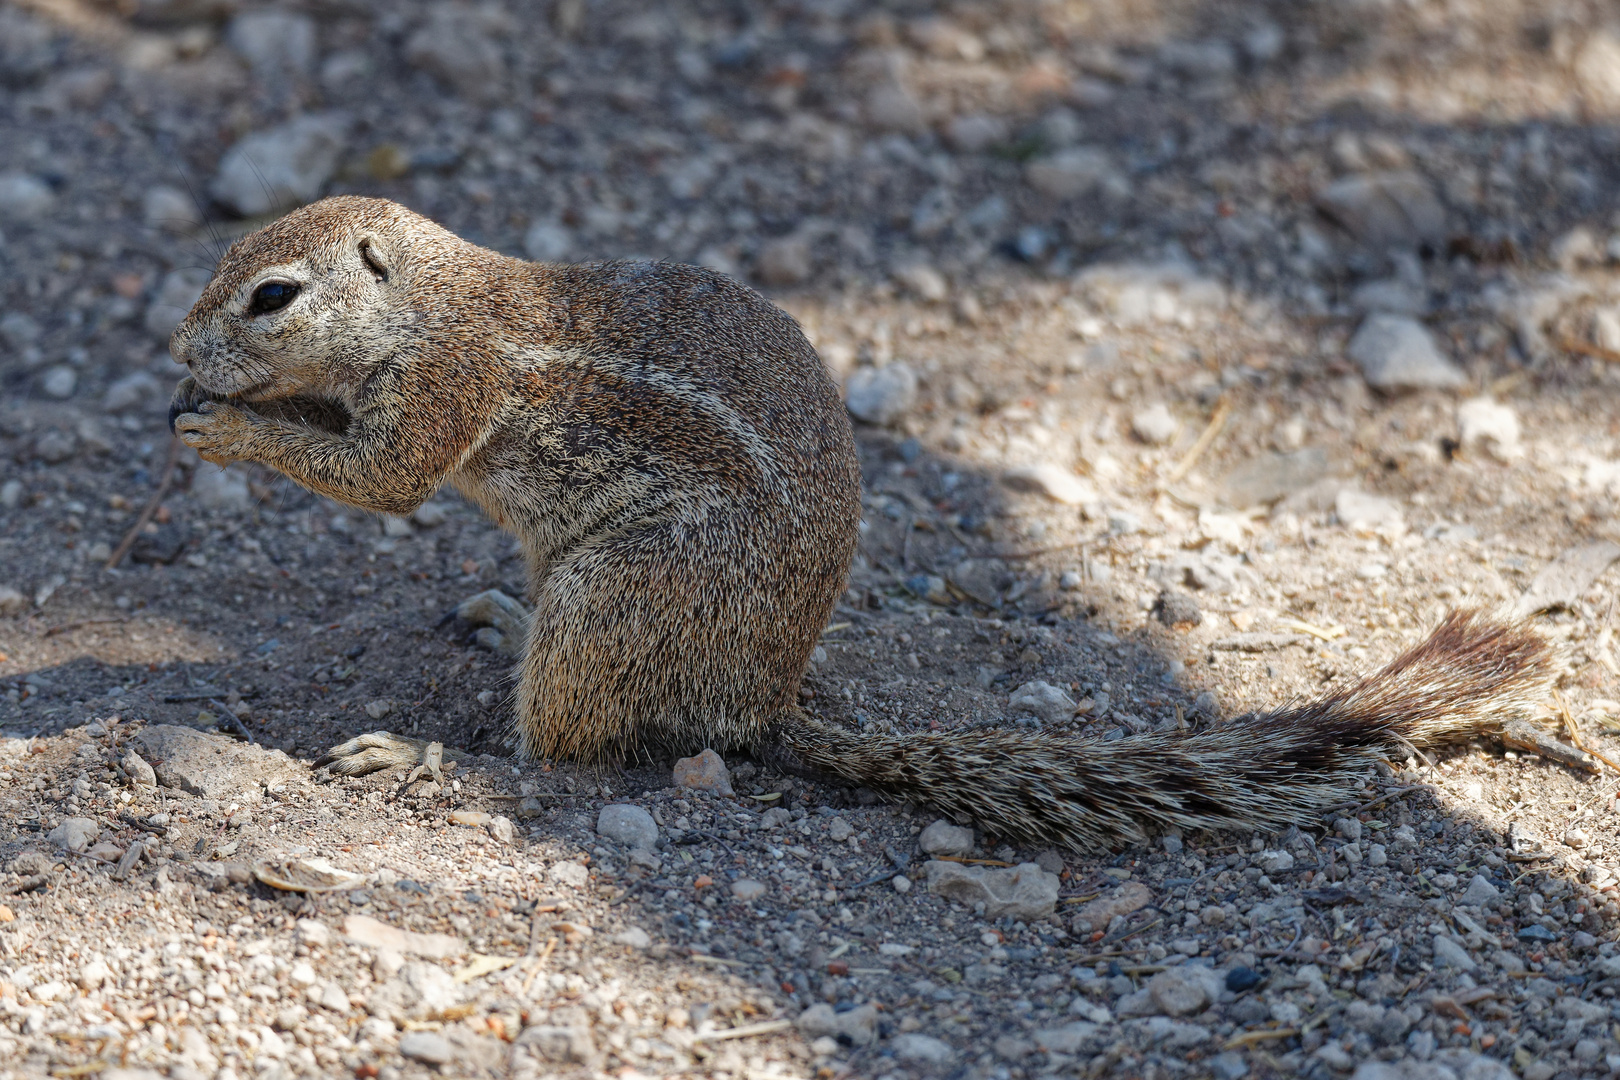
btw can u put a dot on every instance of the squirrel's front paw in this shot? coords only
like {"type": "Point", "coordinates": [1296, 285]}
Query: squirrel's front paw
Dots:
{"type": "Point", "coordinates": [219, 431]}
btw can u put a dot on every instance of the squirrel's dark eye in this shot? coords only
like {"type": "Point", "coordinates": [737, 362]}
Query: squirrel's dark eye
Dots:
{"type": "Point", "coordinates": [271, 296]}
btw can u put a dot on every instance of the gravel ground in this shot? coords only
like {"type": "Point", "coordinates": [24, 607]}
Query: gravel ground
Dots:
{"type": "Point", "coordinates": [1202, 355]}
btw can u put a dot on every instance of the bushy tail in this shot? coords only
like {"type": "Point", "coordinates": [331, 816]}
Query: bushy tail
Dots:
{"type": "Point", "coordinates": [1473, 674]}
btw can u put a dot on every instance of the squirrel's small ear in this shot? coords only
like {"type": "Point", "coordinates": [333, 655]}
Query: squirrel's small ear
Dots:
{"type": "Point", "coordinates": [371, 253]}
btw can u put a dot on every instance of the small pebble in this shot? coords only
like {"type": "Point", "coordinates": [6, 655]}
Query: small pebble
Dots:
{"type": "Point", "coordinates": [747, 890]}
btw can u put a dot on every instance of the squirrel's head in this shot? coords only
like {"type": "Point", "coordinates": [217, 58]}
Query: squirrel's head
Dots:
{"type": "Point", "coordinates": [311, 303]}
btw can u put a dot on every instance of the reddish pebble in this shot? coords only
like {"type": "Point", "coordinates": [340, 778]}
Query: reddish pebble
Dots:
{"type": "Point", "coordinates": [837, 967]}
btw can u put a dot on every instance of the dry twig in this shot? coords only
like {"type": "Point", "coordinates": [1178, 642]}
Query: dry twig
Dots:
{"type": "Point", "coordinates": [150, 508]}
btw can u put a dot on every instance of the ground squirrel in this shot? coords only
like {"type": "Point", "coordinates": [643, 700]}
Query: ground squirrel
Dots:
{"type": "Point", "coordinates": [682, 475]}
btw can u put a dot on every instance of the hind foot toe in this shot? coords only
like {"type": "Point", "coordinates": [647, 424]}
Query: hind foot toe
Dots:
{"type": "Point", "coordinates": [378, 750]}
{"type": "Point", "coordinates": [505, 621]}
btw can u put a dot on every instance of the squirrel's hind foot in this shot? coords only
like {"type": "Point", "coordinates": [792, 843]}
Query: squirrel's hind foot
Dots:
{"type": "Point", "coordinates": [373, 752]}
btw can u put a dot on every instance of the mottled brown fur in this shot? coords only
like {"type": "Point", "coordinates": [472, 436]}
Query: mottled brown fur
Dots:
{"type": "Point", "coordinates": [683, 478]}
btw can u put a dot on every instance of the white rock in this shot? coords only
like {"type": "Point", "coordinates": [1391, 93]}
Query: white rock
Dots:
{"type": "Point", "coordinates": [281, 167]}
{"type": "Point", "coordinates": [23, 195]}
{"type": "Point", "coordinates": [59, 382]}
{"type": "Point", "coordinates": [93, 974]}
{"type": "Point", "coordinates": [1275, 862]}
{"type": "Point", "coordinates": [1606, 328]}
{"type": "Point", "coordinates": [220, 489]}
{"type": "Point", "coordinates": [1052, 704]}
{"type": "Point", "coordinates": [747, 889]}
{"type": "Point", "coordinates": [628, 824]}
{"type": "Point", "coordinates": [944, 838]}
{"type": "Point", "coordinates": [302, 974]}
{"type": "Point", "coordinates": [1074, 172]}
{"type": "Point", "coordinates": [923, 280]}
{"type": "Point", "coordinates": [176, 294]}
{"type": "Point", "coordinates": [274, 43]}
{"type": "Point", "coordinates": [548, 241]}
{"type": "Point", "coordinates": [922, 1049]}
{"type": "Point", "coordinates": [881, 395]}
{"type": "Point", "coordinates": [1398, 353]}
{"type": "Point", "coordinates": [635, 937]}
{"type": "Point", "coordinates": [570, 873]}
{"type": "Point", "coordinates": [1052, 480]}
{"type": "Point", "coordinates": [1447, 953]}
{"type": "Point", "coordinates": [169, 208]}
{"type": "Point", "coordinates": [1361, 512]}
{"type": "Point", "coordinates": [1597, 71]}
{"type": "Point", "coordinates": [313, 933]}
{"type": "Point", "coordinates": [891, 106]}
{"type": "Point", "coordinates": [1492, 426]}
{"type": "Point", "coordinates": [839, 829]}
{"type": "Point", "coordinates": [857, 1025]}
{"type": "Point", "coordinates": [1154, 425]}
{"type": "Point", "coordinates": [379, 708]}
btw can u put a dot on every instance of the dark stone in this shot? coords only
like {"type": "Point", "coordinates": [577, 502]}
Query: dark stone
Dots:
{"type": "Point", "coordinates": [1177, 610]}
{"type": "Point", "coordinates": [1240, 979]}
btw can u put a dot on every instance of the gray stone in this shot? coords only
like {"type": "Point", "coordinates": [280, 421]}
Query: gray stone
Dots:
{"type": "Point", "coordinates": [976, 133]}
{"type": "Point", "coordinates": [922, 1049]}
{"type": "Point", "coordinates": [76, 834]}
{"type": "Point", "coordinates": [1396, 352]}
{"type": "Point", "coordinates": [1068, 1039]}
{"type": "Point", "coordinates": [1480, 892]}
{"type": "Point", "coordinates": [1179, 991]}
{"type": "Point", "coordinates": [858, 1025]}
{"type": "Point", "coordinates": [1024, 892]}
{"type": "Point", "coordinates": [1051, 703]}
{"type": "Point", "coordinates": [501, 829]}
{"type": "Point", "coordinates": [1395, 297]}
{"type": "Point", "coordinates": [628, 824]}
{"type": "Point", "coordinates": [139, 772]}
{"type": "Point", "coordinates": [129, 391]}
{"type": "Point", "coordinates": [55, 446]}
{"type": "Point", "coordinates": [213, 766]}
{"type": "Point", "coordinates": [1275, 862]}
{"type": "Point", "coordinates": [176, 294]}
{"type": "Point", "coordinates": [1362, 512]}
{"type": "Point", "coordinates": [457, 45]}
{"type": "Point", "coordinates": [1074, 172]}
{"type": "Point", "coordinates": [23, 195]}
{"type": "Point", "coordinates": [170, 209]}
{"type": "Point", "coordinates": [215, 488]}
{"type": "Point", "coordinates": [1270, 477]}
{"type": "Point", "coordinates": [421, 991]}
{"type": "Point", "coordinates": [276, 44]}
{"type": "Point", "coordinates": [548, 241]}
{"type": "Point", "coordinates": [1054, 481]}
{"type": "Point", "coordinates": [427, 1047]}
{"type": "Point", "coordinates": [839, 830]}
{"type": "Point", "coordinates": [1227, 1066]}
{"type": "Point", "coordinates": [1447, 953]}
{"type": "Point", "coordinates": [281, 167]}
{"type": "Point", "coordinates": [983, 580]}
{"type": "Point", "coordinates": [881, 395]}
{"type": "Point", "coordinates": [944, 838]}
{"type": "Point", "coordinates": [1384, 210]}
{"type": "Point", "coordinates": [551, 1042]}
{"type": "Point", "coordinates": [59, 382]}
{"type": "Point", "coordinates": [783, 261]}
